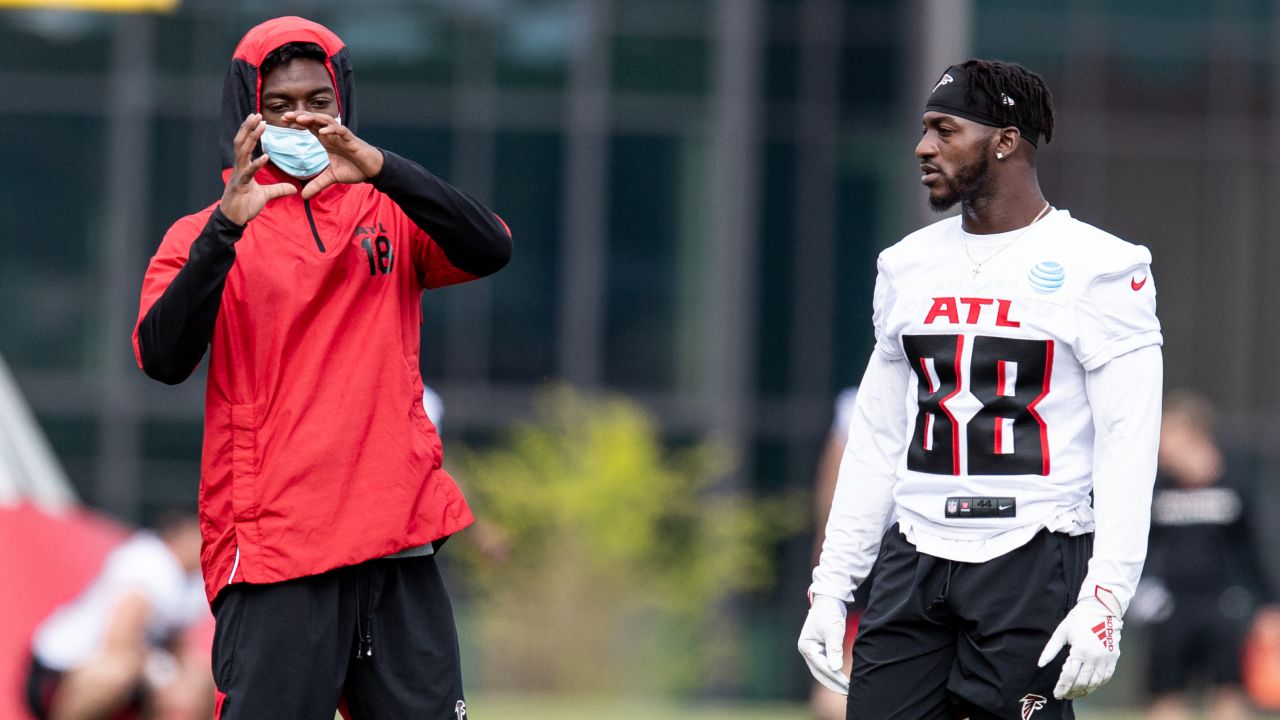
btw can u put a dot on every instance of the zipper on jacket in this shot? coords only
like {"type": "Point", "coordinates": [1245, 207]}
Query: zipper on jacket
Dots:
{"type": "Point", "coordinates": [306, 205]}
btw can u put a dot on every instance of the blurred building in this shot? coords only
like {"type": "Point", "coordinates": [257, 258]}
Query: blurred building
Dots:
{"type": "Point", "coordinates": [698, 190]}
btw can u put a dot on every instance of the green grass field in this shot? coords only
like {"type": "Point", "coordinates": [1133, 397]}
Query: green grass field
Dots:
{"type": "Point", "coordinates": [544, 707]}
{"type": "Point", "coordinates": [499, 707]}
{"type": "Point", "coordinates": [559, 708]}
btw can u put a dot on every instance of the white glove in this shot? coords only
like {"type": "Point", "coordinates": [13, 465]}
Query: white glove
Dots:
{"type": "Point", "coordinates": [1092, 628]}
{"type": "Point", "coordinates": [822, 642]}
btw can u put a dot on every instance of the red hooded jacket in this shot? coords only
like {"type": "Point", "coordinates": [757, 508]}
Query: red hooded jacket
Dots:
{"type": "Point", "coordinates": [317, 451]}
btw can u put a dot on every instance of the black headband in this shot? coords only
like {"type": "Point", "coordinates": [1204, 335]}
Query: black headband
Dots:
{"type": "Point", "coordinates": [951, 96]}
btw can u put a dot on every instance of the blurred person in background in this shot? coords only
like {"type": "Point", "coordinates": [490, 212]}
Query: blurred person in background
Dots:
{"type": "Point", "coordinates": [488, 539]}
{"type": "Point", "coordinates": [1204, 578]}
{"type": "Point", "coordinates": [322, 496]}
{"type": "Point", "coordinates": [119, 649]}
{"type": "Point", "coordinates": [826, 703]}
{"type": "Point", "coordinates": [999, 468]}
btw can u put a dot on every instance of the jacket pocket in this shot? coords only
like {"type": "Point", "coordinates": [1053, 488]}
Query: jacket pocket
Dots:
{"type": "Point", "coordinates": [424, 437]}
{"type": "Point", "coordinates": [244, 462]}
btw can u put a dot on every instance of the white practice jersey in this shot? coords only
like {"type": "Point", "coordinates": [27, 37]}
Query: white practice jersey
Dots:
{"type": "Point", "coordinates": [142, 564]}
{"type": "Point", "coordinates": [1000, 431]}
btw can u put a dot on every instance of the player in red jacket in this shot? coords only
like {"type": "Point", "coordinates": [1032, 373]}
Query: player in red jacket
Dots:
{"type": "Point", "coordinates": [322, 498]}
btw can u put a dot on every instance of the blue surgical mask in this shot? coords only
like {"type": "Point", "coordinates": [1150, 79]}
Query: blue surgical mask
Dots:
{"type": "Point", "coordinates": [297, 152]}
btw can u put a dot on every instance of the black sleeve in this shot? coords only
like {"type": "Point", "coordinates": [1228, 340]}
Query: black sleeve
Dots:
{"type": "Point", "coordinates": [471, 236]}
{"type": "Point", "coordinates": [174, 333]}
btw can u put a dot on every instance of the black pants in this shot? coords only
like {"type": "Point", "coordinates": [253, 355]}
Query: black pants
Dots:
{"type": "Point", "coordinates": [1198, 645]}
{"type": "Point", "coordinates": [942, 639]}
{"type": "Point", "coordinates": [42, 684]}
{"type": "Point", "coordinates": [379, 636]}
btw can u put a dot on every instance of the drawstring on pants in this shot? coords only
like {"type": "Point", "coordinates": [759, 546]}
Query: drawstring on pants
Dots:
{"type": "Point", "coordinates": [364, 619]}
{"type": "Point", "coordinates": [945, 589]}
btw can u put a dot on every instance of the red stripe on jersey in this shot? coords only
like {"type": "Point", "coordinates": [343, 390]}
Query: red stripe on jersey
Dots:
{"type": "Point", "coordinates": [955, 426]}
{"type": "Point", "coordinates": [999, 437]}
{"type": "Point", "coordinates": [924, 366]}
{"type": "Point", "coordinates": [1044, 390]}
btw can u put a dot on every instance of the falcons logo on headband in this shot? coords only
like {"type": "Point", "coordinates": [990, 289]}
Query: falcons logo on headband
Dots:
{"type": "Point", "coordinates": [1030, 704]}
{"type": "Point", "coordinates": [946, 78]}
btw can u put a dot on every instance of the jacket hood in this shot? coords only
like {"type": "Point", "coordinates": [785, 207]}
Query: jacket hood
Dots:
{"type": "Point", "coordinates": [241, 90]}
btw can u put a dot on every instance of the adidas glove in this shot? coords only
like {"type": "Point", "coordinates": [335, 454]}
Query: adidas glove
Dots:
{"type": "Point", "coordinates": [822, 642]}
{"type": "Point", "coordinates": [1092, 629]}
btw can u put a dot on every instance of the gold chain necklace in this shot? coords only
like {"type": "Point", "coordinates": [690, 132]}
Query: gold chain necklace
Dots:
{"type": "Point", "coordinates": [977, 266]}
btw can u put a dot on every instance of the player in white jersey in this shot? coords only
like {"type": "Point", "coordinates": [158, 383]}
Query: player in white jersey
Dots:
{"type": "Point", "coordinates": [1002, 453]}
{"type": "Point", "coordinates": [114, 650]}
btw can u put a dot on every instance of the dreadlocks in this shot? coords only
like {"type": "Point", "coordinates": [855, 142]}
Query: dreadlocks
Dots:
{"type": "Point", "coordinates": [1011, 93]}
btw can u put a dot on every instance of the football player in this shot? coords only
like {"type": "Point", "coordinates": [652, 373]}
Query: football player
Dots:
{"type": "Point", "coordinates": [1000, 464]}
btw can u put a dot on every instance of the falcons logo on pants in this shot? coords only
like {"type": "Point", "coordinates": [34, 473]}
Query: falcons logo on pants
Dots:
{"type": "Point", "coordinates": [1030, 704]}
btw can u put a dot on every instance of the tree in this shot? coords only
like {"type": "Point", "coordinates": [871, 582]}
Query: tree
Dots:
{"type": "Point", "coordinates": [623, 552]}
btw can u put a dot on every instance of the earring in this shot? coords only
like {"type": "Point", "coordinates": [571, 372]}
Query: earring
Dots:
{"type": "Point", "coordinates": [999, 156]}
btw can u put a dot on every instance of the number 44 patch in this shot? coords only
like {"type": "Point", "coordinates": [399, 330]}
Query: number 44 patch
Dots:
{"type": "Point", "coordinates": [981, 507]}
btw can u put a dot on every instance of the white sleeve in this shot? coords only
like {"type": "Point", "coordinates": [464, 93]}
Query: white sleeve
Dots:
{"type": "Point", "coordinates": [143, 564]}
{"type": "Point", "coordinates": [863, 505]}
{"type": "Point", "coordinates": [882, 302]}
{"type": "Point", "coordinates": [1117, 314]}
{"type": "Point", "coordinates": [1125, 398]}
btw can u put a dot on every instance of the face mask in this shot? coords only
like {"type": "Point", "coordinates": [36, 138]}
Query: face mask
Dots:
{"type": "Point", "coordinates": [297, 152]}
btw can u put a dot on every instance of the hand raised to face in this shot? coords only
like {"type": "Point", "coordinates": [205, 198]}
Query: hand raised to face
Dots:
{"type": "Point", "coordinates": [351, 160]}
{"type": "Point", "coordinates": [243, 198]}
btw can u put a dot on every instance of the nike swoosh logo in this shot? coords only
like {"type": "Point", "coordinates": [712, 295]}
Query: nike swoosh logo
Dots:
{"type": "Point", "coordinates": [1133, 283]}
{"type": "Point", "coordinates": [1005, 507]}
